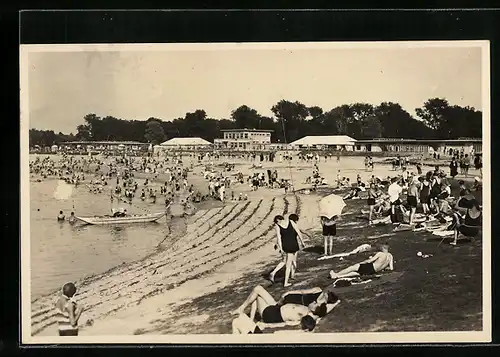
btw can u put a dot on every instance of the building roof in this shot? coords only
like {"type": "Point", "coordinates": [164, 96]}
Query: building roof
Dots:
{"type": "Point", "coordinates": [325, 140]}
{"type": "Point", "coordinates": [256, 130]}
{"type": "Point", "coordinates": [185, 142]}
{"type": "Point", "coordinates": [102, 143]}
{"type": "Point", "coordinates": [418, 141]}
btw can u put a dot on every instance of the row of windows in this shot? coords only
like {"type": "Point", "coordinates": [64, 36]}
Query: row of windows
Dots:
{"type": "Point", "coordinates": [244, 135]}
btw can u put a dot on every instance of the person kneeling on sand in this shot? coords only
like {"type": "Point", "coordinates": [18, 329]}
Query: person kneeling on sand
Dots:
{"type": "Point", "coordinates": [371, 266]}
{"type": "Point", "coordinates": [273, 312]}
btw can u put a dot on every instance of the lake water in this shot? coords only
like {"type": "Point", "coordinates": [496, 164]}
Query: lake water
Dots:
{"type": "Point", "coordinates": [61, 252]}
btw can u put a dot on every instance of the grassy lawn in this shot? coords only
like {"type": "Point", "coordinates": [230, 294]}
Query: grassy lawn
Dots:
{"type": "Point", "coordinates": [440, 293]}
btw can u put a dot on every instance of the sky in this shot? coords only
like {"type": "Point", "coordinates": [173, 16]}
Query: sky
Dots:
{"type": "Point", "coordinates": [135, 84]}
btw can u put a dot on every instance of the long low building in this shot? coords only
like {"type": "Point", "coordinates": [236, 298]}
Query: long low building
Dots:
{"type": "Point", "coordinates": [422, 146]}
{"type": "Point", "coordinates": [103, 145]}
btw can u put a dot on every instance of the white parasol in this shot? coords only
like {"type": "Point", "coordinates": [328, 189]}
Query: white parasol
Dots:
{"type": "Point", "coordinates": [331, 205]}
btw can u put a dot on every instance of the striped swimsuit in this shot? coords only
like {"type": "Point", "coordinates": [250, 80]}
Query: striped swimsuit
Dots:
{"type": "Point", "coordinates": [63, 322]}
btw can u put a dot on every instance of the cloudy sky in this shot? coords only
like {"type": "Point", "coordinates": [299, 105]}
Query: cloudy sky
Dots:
{"type": "Point", "coordinates": [64, 86]}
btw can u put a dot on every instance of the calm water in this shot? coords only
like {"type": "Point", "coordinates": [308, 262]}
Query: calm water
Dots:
{"type": "Point", "coordinates": [61, 252]}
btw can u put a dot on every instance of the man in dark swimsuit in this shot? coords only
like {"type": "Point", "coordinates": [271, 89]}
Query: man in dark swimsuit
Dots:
{"type": "Point", "coordinates": [379, 262]}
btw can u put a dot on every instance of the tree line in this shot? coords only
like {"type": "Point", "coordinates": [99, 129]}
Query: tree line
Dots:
{"type": "Point", "coordinates": [437, 119]}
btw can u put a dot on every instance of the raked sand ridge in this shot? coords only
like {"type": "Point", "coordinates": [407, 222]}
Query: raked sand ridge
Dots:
{"type": "Point", "coordinates": [214, 238]}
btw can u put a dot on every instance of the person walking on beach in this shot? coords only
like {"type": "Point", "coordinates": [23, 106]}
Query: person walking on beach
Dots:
{"type": "Point", "coordinates": [329, 226]}
{"type": "Point", "coordinates": [68, 312]}
{"type": "Point", "coordinates": [288, 237]}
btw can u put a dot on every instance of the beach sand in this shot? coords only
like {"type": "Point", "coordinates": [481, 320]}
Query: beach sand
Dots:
{"type": "Point", "coordinates": [191, 286]}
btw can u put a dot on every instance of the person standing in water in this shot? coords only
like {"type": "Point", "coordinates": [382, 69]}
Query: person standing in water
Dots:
{"type": "Point", "coordinates": [61, 216]}
{"type": "Point", "coordinates": [67, 311]}
{"type": "Point", "coordinates": [72, 218]}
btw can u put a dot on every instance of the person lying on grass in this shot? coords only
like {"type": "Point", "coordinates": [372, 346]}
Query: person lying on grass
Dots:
{"type": "Point", "coordinates": [273, 312]}
{"type": "Point", "coordinates": [381, 261]}
{"type": "Point", "coordinates": [243, 325]}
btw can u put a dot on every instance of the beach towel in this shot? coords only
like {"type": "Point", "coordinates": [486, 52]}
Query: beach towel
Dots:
{"type": "Point", "coordinates": [359, 249]}
{"type": "Point", "coordinates": [370, 281]}
{"type": "Point", "coordinates": [443, 233]}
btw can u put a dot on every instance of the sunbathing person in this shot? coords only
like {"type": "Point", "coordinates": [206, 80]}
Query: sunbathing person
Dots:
{"type": "Point", "coordinates": [243, 325]}
{"type": "Point", "coordinates": [272, 312]}
{"type": "Point", "coordinates": [371, 266]}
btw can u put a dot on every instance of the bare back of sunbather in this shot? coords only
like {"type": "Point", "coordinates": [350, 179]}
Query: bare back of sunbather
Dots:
{"type": "Point", "coordinates": [382, 261]}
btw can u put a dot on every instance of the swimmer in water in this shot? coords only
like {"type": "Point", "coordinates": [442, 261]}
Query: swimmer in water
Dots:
{"type": "Point", "coordinates": [61, 216]}
{"type": "Point", "coordinates": [72, 218]}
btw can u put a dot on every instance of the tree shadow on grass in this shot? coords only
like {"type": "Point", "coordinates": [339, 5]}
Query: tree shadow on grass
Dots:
{"type": "Point", "coordinates": [440, 293]}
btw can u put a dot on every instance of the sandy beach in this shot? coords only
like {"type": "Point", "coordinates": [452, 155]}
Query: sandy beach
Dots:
{"type": "Point", "coordinates": [224, 247]}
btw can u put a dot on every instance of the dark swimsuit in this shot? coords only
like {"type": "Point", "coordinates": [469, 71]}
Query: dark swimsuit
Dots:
{"type": "Point", "coordinates": [366, 269]}
{"type": "Point", "coordinates": [471, 225]}
{"type": "Point", "coordinates": [424, 194]}
{"type": "Point", "coordinates": [300, 299]}
{"type": "Point", "coordinates": [272, 314]}
{"type": "Point", "coordinates": [289, 239]}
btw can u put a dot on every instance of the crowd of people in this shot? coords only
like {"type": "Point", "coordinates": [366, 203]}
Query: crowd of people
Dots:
{"type": "Point", "coordinates": [428, 199]}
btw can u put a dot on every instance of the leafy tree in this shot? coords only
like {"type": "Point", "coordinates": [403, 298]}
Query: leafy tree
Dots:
{"type": "Point", "coordinates": [437, 119]}
{"type": "Point", "coordinates": [154, 132]}
{"type": "Point", "coordinates": [291, 116]}
{"type": "Point", "coordinates": [370, 128]}
{"type": "Point", "coordinates": [245, 117]}
{"type": "Point", "coordinates": [433, 112]}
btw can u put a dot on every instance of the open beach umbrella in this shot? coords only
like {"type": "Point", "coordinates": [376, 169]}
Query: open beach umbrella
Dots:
{"type": "Point", "coordinates": [331, 205]}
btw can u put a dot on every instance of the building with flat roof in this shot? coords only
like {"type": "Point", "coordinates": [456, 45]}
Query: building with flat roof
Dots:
{"type": "Point", "coordinates": [422, 146]}
{"type": "Point", "coordinates": [244, 139]}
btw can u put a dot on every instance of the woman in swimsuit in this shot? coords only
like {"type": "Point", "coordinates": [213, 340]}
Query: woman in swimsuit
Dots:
{"type": "Point", "coordinates": [372, 195]}
{"type": "Point", "coordinates": [288, 237]}
{"type": "Point", "coordinates": [412, 198]}
{"type": "Point", "coordinates": [424, 194]}
{"type": "Point", "coordinates": [273, 312]}
{"type": "Point", "coordinates": [470, 224]}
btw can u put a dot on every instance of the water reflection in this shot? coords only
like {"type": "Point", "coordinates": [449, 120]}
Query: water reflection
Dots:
{"type": "Point", "coordinates": [61, 252]}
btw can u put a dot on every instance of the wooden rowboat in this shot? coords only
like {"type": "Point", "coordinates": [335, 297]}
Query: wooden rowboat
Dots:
{"type": "Point", "coordinates": [100, 220]}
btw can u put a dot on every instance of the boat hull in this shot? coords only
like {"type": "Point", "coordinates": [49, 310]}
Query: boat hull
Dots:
{"type": "Point", "coordinates": [122, 220]}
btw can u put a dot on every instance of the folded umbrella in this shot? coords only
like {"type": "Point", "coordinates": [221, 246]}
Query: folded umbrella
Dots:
{"type": "Point", "coordinates": [331, 205]}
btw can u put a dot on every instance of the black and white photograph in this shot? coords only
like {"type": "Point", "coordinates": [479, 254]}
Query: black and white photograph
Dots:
{"type": "Point", "coordinates": [308, 192]}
